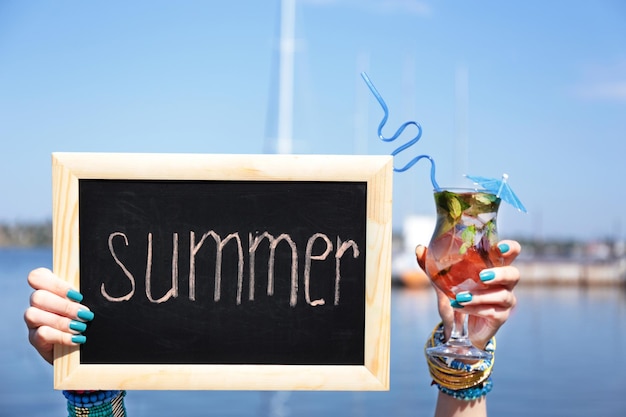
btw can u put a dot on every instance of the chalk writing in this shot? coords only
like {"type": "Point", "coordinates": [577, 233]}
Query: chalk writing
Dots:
{"type": "Point", "coordinates": [126, 271]}
{"type": "Point", "coordinates": [253, 245]}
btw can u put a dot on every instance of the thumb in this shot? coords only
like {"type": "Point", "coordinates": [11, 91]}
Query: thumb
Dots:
{"type": "Point", "coordinates": [443, 302]}
{"type": "Point", "coordinates": [420, 255]}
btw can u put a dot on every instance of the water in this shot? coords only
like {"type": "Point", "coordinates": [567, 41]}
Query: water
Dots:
{"type": "Point", "coordinates": [562, 353]}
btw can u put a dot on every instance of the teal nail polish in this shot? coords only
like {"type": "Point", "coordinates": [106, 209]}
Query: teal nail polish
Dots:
{"type": "Point", "coordinates": [455, 304]}
{"type": "Point", "coordinates": [504, 248]}
{"type": "Point", "coordinates": [463, 297]}
{"type": "Point", "coordinates": [78, 326]}
{"type": "Point", "coordinates": [487, 275]}
{"type": "Point", "coordinates": [74, 296]}
{"type": "Point", "coordinates": [79, 339]}
{"type": "Point", "coordinates": [85, 315]}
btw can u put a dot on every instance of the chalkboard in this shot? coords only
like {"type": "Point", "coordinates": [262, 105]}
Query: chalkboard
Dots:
{"type": "Point", "coordinates": [225, 271]}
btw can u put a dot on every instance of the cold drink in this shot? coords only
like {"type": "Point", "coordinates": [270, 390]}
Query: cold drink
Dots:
{"type": "Point", "coordinates": [464, 240]}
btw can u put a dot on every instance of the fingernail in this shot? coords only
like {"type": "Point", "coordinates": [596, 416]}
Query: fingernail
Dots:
{"type": "Point", "coordinates": [487, 275]}
{"type": "Point", "coordinates": [463, 297]}
{"type": "Point", "coordinates": [504, 248]}
{"type": "Point", "coordinates": [85, 315]}
{"type": "Point", "coordinates": [455, 304]}
{"type": "Point", "coordinates": [74, 296]}
{"type": "Point", "coordinates": [78, 326]}
{"type": "Point", "coordinates": [79, 339]}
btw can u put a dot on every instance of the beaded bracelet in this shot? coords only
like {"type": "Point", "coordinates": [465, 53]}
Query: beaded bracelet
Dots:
{"type": "Point", "coordinates": [470, 394]}
{"type": "Point", "coordinates": [458, 379]}
{"type": "Point", "coordinates": [95, 403]}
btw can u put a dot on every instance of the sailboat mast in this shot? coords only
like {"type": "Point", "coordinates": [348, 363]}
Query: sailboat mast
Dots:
{"type": "Point", "coordinates": [286, 76]}
{"type": "Point", "coordinates": [461, 93]}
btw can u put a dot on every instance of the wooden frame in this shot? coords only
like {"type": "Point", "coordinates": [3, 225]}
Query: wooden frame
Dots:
{"type": "Point", "coordinates": [69, 168]}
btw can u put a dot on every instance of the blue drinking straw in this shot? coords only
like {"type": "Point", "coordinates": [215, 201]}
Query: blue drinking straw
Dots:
{"type": "Point", "coordinates": [398, 133]}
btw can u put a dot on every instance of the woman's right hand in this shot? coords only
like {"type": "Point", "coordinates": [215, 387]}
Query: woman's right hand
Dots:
{"type": "Point", "coordinates": [489, 307]}
{"type": "Point", "coordinates": [55, 315]}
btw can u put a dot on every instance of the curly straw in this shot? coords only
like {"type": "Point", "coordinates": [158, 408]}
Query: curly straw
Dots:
{"type": "Point", "coordinates": [398, 133]}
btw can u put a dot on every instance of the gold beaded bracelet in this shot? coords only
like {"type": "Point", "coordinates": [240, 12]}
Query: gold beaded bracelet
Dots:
{"type": "Point", "coordinates": [456, 378]}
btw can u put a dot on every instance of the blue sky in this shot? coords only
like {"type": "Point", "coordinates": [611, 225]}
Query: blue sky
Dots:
{"type": "Point", "coordinates": [536, 89]}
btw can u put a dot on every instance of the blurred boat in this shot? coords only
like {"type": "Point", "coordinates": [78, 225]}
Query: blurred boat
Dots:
{"type": "Point", "coordinates": [416, 230]}
{"type": "Point", "coordinates": [596, 267]}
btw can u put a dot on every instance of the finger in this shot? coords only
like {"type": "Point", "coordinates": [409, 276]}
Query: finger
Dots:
{"type": "Point", "coordinates": [420, 255]}
{"type": "Point", "coordinates": [53, 303]}
{"type": "Point", "coordinates": [510, 249]}
{"type": "Point", "coordinates": [485, 300]}
{"type": "Point", "coordinates": [505, 276]}
{"type": "Point", "coordinates": [35, 318]}
{"type": "Point", "coordinates": [44, 338]}
{"type": "Point", "coordinates": [446, 312]}
{"type": "Point", "coordinates": [44, 279]}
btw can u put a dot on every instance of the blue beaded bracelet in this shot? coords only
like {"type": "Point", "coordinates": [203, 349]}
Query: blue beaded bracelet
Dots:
{"type": "Point", "coordinates": [88, 398]}
{"type": "Point", "coordinates": [95, 403]}
{"type": "Point", "coordinates": [469, 394]}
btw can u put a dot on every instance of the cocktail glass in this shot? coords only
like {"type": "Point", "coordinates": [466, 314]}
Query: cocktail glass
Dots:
{"type": "Point", "coordinates": [463, 244]}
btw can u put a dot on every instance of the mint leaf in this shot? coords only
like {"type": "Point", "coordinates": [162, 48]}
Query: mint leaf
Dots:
{"type": "Point", "coordinates": [467, 235]}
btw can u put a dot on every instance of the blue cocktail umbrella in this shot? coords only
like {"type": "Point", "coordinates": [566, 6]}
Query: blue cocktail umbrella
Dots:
{"type": "Point", "coordinates": [501, 188]}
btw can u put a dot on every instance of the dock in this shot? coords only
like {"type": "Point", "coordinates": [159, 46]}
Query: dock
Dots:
{"type": "Point", "coordinates": [572, 272]}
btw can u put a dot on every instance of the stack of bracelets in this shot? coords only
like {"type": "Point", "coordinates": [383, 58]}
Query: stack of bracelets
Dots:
{"type": "Point", "coordinates": [458, 379]}
{"type": "Point", "coordinates": [95, 403]}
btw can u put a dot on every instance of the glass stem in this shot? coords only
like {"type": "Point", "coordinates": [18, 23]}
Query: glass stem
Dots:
{"type": "Point", "coordinates": [459, 334]}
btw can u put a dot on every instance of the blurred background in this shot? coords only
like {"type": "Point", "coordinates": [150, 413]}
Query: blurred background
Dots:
{"type": "Point", "coordinates": [533, 89]}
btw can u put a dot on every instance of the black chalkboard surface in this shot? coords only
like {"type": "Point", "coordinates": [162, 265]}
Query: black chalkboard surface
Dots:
{"type": "Point", "coordinates": [139, 238]}
{"type": "Point", "coordinates": [266, 272]}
